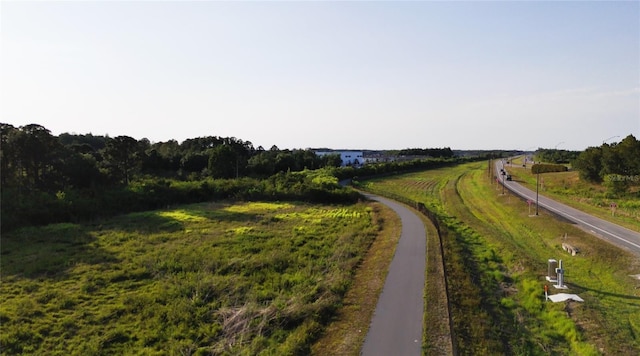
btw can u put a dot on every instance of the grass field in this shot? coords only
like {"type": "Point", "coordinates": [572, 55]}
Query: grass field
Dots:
{"type": "Point", "coordinates": [497, 255]}
{"type": "Point", "coordinates": [346, 333]}
{"type": "Point", "coordinates": [242, 279]}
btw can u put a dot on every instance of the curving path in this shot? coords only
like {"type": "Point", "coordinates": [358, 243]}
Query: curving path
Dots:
{"type": "Point", "coordinates": [396, 326]}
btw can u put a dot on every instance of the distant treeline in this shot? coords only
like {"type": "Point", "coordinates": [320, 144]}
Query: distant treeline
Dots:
{"type": "Point", "coordinates": [556, 156]}
{"type": "Point", "coordinates": [428, 152]}
{"type": "Point", "coordinates": [47, 179]}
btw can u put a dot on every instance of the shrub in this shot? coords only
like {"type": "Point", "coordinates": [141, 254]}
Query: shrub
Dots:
{"type": "Point", "coordinates": [548, 168]}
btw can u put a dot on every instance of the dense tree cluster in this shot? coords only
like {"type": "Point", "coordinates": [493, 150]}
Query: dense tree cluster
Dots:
{"type": "Point", "coordinates": [556, 156]}
{"type": "Point", "coordinates": [617, 165]}
{"type": "Point", "coordinates": [47, 178]}
{"type": "Point", "coordinates": [71, 177]}
{"type": "Point", "coordinates": [33, 158]}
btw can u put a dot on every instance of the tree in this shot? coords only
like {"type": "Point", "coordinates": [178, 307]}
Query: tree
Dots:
{"type": "Point", "coordinates": [262, 164]}
{"type": "Point", "coordinates": [589, 164]}
{"type": "Point", "coordinates": [223, 162]}
{"type": "Point", "coordinates": [122, 157]}
{"type": "Point", "coordinates": [80, 170]}
{"type": "Point", "coordinates": [8, 154]}
{"type": "Point", "coordinates": [617, 164]}
{"type": "Point", "coordinates": [285, 162]}
{"type": "Point", "coordinates": [307, 159]}
{"type": "Point", "coordinates": [332, 160]}
{"type": "Point", "coordinates": [629, 153]}
{"type": "Point", "coordinates": [194, 162]}
{"type": "Point", "coordinates": [34, 149]}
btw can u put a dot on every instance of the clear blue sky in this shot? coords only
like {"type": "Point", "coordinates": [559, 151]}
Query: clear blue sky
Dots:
{"type": "Point", "coordinates": [343, 75]}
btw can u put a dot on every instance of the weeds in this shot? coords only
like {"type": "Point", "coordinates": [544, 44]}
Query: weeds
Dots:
{"type": "Point", "coordinates": [205, 278]}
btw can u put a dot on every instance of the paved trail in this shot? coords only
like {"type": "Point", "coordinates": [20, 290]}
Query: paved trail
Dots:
{"type": "Point", "coordinates": [396, 327]}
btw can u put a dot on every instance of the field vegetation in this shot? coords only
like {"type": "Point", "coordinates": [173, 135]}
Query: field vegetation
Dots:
{"type": "Point", "coordinates": [252, 278]}
{"type": "Point", "coordinates": [496, 259]}
{"type": "Point", "coordinates": [347, 331]}
{"type": "Point", "coordinates": [592, 197]}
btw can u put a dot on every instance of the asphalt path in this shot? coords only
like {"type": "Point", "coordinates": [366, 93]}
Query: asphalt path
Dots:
{"type": "Point", "coordinates": [396, 326]}
{"type": "Point", "coordinates": [620, 236]}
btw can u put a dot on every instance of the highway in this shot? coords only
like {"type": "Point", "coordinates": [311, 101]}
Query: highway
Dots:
{"type": "Point", "coordinates": [620, 236]}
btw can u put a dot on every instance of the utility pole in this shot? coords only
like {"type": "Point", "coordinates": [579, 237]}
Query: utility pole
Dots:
{"type": "Point", "coordinates": [503, 174]}
{"type": "Point", "coordinates": [537, 185]}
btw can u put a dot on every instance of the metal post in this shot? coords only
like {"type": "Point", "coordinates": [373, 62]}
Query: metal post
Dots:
{"type": "Point", "coordinates": [560, 271]}
{"type": "Point", "coordinates": [537, 185]}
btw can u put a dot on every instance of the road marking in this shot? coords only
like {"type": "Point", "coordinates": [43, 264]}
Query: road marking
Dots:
{"type": "Point", "coordinates": [567, 215]}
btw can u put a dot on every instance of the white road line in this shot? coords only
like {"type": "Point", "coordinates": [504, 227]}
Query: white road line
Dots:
{"type": "Point", "coordinates": [571, 217]}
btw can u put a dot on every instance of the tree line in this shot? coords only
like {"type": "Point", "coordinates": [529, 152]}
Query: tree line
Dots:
{"type": "Point", "coordinates": [616, 165]}
{"type": "Point", "coordinates": [33, 158]}
{"type": "Point", "coordinates": [445, 152]}
{"type": "Point", "coordinates": [78, 177]}
{"type": "Point", "coordinates": [556, 156]}
{"type": "Point", "coordinates": [47, 178]}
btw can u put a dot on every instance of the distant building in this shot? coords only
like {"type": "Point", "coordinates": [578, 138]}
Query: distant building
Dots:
{"type": "Point", "coordinates": [349, 158]}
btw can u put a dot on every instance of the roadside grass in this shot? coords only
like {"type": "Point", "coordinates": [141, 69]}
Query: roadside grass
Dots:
{"type": "Point", "coordinates": [437, 336]}
{"type": "Point", "coordinates": [568, 188]}
{"type": "Point", "coordinates": [496, 259]}
{"type": "Point", "coordinates": [600, 273]}
{"type": "Point", "coordinates": [348, 329]}
{"type": "Point", "coordinates": [212, 278]}
{"type": "Point", "coordinates": [474, 327]}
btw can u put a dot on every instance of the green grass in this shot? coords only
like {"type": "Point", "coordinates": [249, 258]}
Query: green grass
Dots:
{"type": "Point", "coordinates": [246, 279]}
{"type": "Point", "coordinates": [496, 262]}
{"type": "Point", "coordinates": [568, 188]}
{"type": "Point", "coordinates": [346, 333]}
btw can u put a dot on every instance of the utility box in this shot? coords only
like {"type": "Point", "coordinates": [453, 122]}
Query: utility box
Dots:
{"type": "Point", "coordinates": [552, 274]}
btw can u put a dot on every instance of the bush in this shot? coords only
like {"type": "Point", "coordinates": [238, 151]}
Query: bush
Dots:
{"type": "Point", "coordinates": [548, 168]}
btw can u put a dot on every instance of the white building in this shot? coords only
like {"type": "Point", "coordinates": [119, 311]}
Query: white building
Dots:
{"type": "Point", "coordinates": [349, 158]}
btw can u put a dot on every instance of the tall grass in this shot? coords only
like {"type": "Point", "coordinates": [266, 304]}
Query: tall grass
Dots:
{"type": "Point", "coordinates": [246, 278]}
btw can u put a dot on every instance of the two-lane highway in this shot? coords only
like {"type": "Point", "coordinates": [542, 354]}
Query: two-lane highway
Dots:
{"type": "Point", "coordinates": [615, 234]}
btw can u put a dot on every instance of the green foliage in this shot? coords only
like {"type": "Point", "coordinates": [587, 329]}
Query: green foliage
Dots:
{"type": "Point", "coordinates": [620, 160]}
{"type": "Point", "coordinates": [382, 169]}
{"type": "Point", "coordinates": [49, 179]}
{"type": "Point", "coordinates": [122, 158]}
{"type": "Point", "coordinates": [617, 186]}
{"type": "Point", "coordinates": [589, 164]}
{"type": "Point", "coordinates": [547, 168]}
{"type": "Point", "coordinates": [492, 254]}
{"type": "Point", "coordinates": [24, 208]}
{"type": "Point", "coordinates": [247, 278]}
{"type": "Point", "coordinates": [445, 152]}
{"type": "Point", "coordinates": [556, 156]}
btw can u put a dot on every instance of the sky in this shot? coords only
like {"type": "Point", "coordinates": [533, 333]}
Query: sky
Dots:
{"type": "Point", "coordinates": [342, 74]}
